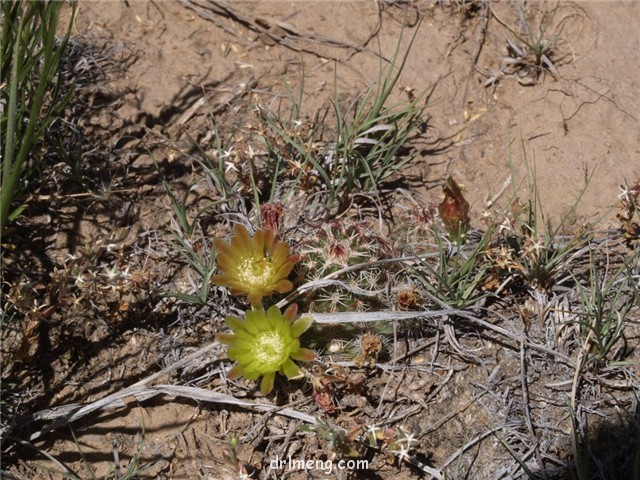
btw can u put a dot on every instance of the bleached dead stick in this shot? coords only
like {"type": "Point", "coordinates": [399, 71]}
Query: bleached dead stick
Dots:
{"type": "Point", "coordinates": [70, 413]}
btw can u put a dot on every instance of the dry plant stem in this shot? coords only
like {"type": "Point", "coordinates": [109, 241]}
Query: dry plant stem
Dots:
{"type": "Point", "coordinates": [524, 458]}
{"type": "Point", "coordinates": [179, 364]}
{"type": "Point", "coordinates": [92, 195]}
{"type": "Point", "coordinates": [66, 414]}
{"type": "Point", "coordinates": [293, 429]}
{"type": "Point", "coordinates": [437, 474]}
{"type": "Point", "coordinates": [323, 283]}
{"type": "Point", "coordinates": [116, 458]}
{"type": "Point", "coordinates": [477, 49]}
{"type": "Point", "coordinates": [499, 20]}
{"type": "Point", "coordinates": [388, 367]}
{"type": "Point", "coordinates": [249, 436]}
{"type": "Point", "coordinates": [450, 334]}
{"type": "Point", "coordinates": [52, 459]}
{"type": "Point", "coordinates": [526, 403]}
{"type": "Point", "coordinates": [500, 330]}
{"type": "Point", "coordinates": [452, 458]}
{"type": "Point", "coordinates": [364, 317]}
{"type": "Point", "coordinates": [579, 365]}
{"type": "Point", "coordinates": [452, 415]}
{"type": "Point", "coordinates": [382, 395]}
{"type": "Point", "coordinates": [491, 201]}
{"type": "Point", "coordinates": [10, 476]}
{"type": "Point", "coordinates": [606, 95]}
{"type": "Point", "coordinates": [415, 350]}
{"type": "Point", "coordinates": [242, 90]}
{"type": "Point", "coordinates": [404, 415]}
{"type": "Point", "coordinates": [278, 31]}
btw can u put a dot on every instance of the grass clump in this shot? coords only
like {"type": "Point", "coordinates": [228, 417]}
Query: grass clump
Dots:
{"type": "Point", "coordinates": [352, 158]}
{"type": "Point", "coordinates": [537, 44]}
{"type": "Point", "coordinates": [605, 304]}
{"type": "Point", "coordinates": [31, 96]}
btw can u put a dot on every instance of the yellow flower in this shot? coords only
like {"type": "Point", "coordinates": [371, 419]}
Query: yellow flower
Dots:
{"type": "Point", "coordinates": [255, 266]}
{"type": "Point", "coordinates": [265, 343]}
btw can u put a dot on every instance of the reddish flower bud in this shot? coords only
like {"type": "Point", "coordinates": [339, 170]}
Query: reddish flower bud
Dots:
{"type": "Point", "coordinates": [454, 210]}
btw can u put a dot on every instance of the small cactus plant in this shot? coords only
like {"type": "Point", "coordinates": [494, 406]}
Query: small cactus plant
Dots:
{"type": "Point", "coordinates": [340, 245]}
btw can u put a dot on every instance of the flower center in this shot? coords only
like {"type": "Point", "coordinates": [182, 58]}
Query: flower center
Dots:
{"type": "Point", "coordinates": [270, 348]}
{"type": "Point", "coordinates": [256, 272]}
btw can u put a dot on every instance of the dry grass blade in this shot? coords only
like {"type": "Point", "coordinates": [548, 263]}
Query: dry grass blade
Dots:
{"type": "Point", "coordinates": [275, 30]}
{"type": "Point", "coordinates": [364, 317]}
{"type": "Point", "coordinates": [66, 414]}
{"type": "Point", "coordinates": [51, 458]}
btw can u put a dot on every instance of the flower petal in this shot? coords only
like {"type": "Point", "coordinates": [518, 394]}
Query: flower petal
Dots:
{"type": "Point", "coordinates": [259, 317]}
{"type": "Point", "coordinates": [255, 298]}
{"type": "Point", "coordinates": [294, 258]}
{"type": "Point", "coordinates": [228, 249]}
{"type": "Point", "coordinates": [293, 345]}
{"type": "Point", "coordinates": [280, 253]}
{"type": "Point", "coordinates": [235, 372]}
{"type": "Point", "coordinates": [269, 242]}
{"type": "Point", "coordinates": [274, 317]}
{"type": "Point", "coordinates": [253, 328]}
{"type": "Point", "coordinates": [241, 241]}
{"type": "Point", "coordinates": [227, 264]}
{"type": "Point", "coordinates": [266, 386]}
{"type": "Point", "coordinates": [242, 356]}
{"type": "Point", "coordinates": [251, 374]}
{"type": "Point", "coordinates": [274, 313]}
{"type": "Point", "coordinates": [291, 370]}
{"type": "Point", "coordinates": [235, 323]}
{"type": "Point", "coordinates": [223, 249]}
{"type": "Point", "coordinates": [285, 269]}
{"type": "Point", "coordinates": [301, 325]}
{"type": "Point", "coordinates": [234, 289]}
{"type": "Point", "coordinates": [220, 280]}
{"type": "Point", "coordinates": [304, 355]}
{"type": "Point", "coordinates": [244, 340]}
{"type": "Point", "coordinates": [291, 312]}
{"type": "Point", "coordinates": [283, 286]}
{"type": "Point", "coordinates": [258, 242]}
{"type": "Point", "coordinates": [226, 338]}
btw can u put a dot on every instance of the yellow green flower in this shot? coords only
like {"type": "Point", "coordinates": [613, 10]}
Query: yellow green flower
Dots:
{"type": "Point", "coordinates": [265, 343]}
{"type": "Point", "coordinates": [255, 266]}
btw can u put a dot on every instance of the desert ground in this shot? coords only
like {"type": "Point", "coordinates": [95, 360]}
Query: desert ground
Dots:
{"type": "Point", "coordinates": [181, 109]}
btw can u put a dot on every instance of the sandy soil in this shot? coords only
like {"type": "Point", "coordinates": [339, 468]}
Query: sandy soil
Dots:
{"type": "Point", "coordinates": [584, 122]}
